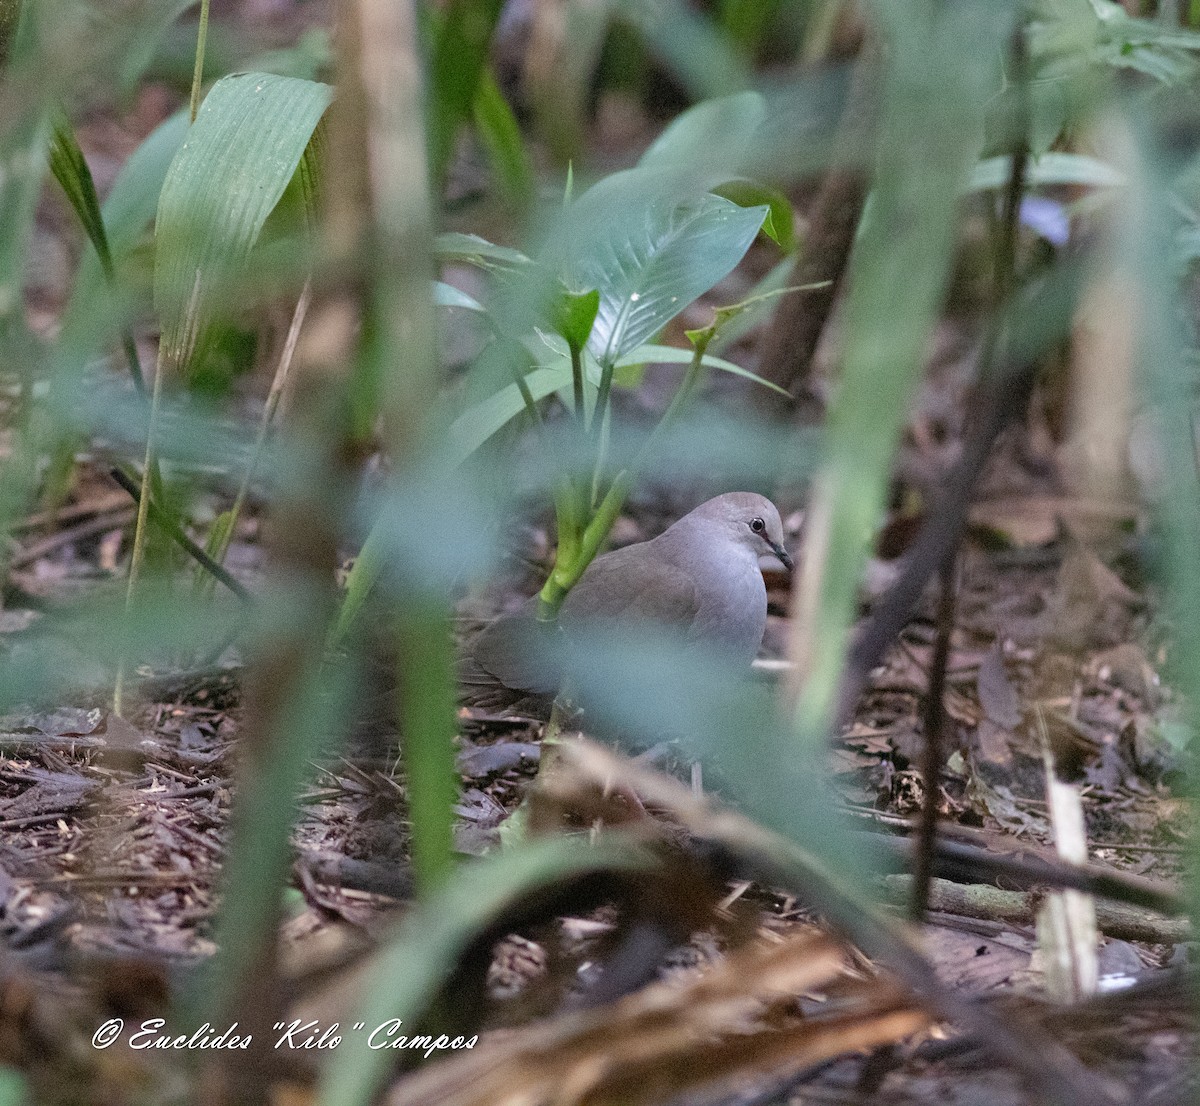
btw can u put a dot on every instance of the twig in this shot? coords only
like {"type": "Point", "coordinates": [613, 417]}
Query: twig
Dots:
{"type": "Point", "coordinates": [60, 515]}
{"type": "Point", "coordinates": [114, 520]}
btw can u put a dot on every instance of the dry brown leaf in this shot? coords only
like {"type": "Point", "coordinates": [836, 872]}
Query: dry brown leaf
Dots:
{"type": "Point", "coordinates": [737, 1020]}
{"type": "Point", "coordinates": [997, 696]}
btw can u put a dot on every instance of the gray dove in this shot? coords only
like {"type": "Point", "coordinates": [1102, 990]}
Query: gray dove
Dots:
{"type": "Point", "coordinates": [700, 576]}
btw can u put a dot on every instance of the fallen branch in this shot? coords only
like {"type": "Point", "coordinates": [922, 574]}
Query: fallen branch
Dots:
{"type": "Point", "coordinates": [976, 900]}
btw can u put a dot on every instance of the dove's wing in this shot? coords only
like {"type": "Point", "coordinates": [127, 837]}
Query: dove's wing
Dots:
{"type": "Point", "coordinates": [628, 585]}
{"type": "Point", "coordinates": [505, 651]}
{"type": "Point", "coordinates": [621, 585]}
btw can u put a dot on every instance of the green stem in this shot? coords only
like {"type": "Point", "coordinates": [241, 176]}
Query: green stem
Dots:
{"type": "Point", "coordinates": [602, 393]}
{"type": "Point", "coordinates": [198, 72]}
{"type": "Point", "coordinates": [686, 386]}
{"type": "Point", "coordinates": [428, 724]}
{"type": "Point", "coordinates": [520, 362]}
{"type": "Point", "coordinates": [139, 534]}
{"type": "Point", "coordinates": [273, 397]}
{"type": "Point", "coordinates": [169, 525]}
{"type": "Point", "coordinates": [568, 569]}
{"type": "Point", "coordinates": [601, 460]}
{"type": "Point", "coordinates": [577, 384]}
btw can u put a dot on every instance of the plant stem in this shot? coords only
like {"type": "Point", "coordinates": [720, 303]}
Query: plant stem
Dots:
{"type": "Point", "coordinates": [577, 384]}
{"type": "Point", "coordinates": [198, 72]}
{"type": "Point", "coordinates": [169, 525]}
{"type": "Point", "coordinates": [273, 397]}
{"type": "Point", "coordinates": [139, 534]}
{"type": "Point", "coordinates": [602, 393]}
{"type": "Point", "coordinates": [568, 569]}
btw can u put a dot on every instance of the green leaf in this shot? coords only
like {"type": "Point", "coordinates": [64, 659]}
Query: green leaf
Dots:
{"type": "Point", "coordinates": [576, 316]}
{"type": "Point", "coordinates": [480, 421]}
{"type": "Point", "coordinates": [22, 169]}
{"type": "Point", "coordinates": [672, 355]}
{"type": "Point", "coordinates": [649, 254]}
{"type": "Point", "coordinates": [70, 169]}
{"type": "Point", "coordinates": [470, 249]}
{"type": "Point", "coordinates": [780, 223]}
{"type": "Point", "coordinates": [238, 159]}
{"type": "Point", "coordinates": [460, 53]}
{"type": "Point", "coordinates": [501, 136]}
{"type": "Point", "coordinates": [483, 419]}
{"type": "Point", "coordinates": [446, 295]}
{"type": "Point", "coordinates": [934, 88]}
{"type": "Point", "coordinates": [1049, 169]}
{"type": "Point", "coordinates": [431, 941]}
{"type": "Point", "coordinates": [131, 204]}
{"type": "Point", "coordinates": [713, 137]}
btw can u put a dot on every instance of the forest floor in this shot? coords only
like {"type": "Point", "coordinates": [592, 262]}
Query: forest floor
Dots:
{"type": "Point", "coordinates": [115, 828]}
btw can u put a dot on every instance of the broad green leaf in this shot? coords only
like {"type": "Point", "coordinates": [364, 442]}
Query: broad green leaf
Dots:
{"type": "Point", "coordinates": [1049, 169]}
{"type": "Point", "coordinates": [648, 253]}
{"type": "Point", "coordinates": [672, 355]}
{"type": "Point", "coordinates": [712, 138]}
{"type": "Point", "coordinates": [480, 421]}
{"type": "Point", "coordinates": [238, 159]}
{"type": "Point", "coordinates": [780, 223]}
{"type": "Point", "coordinates": [70, 169]}
{"type": "Point", "coordinates": [427, 947]}
{"type": "Point", "coordinates": [470, 249]}
{"type": "Point", "coordinates": [133, 199]}
{"type": "Point", "coordinates": [446, 295]}
{"type": "Point", "coordinates": [127, 211]}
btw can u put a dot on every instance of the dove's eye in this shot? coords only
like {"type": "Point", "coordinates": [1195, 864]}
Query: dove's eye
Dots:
{"type": "Point", "coordinates": [757, 525]}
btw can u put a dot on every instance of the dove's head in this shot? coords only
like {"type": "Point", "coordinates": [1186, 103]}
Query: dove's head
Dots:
{"type": "Point", "coordinates": [749, 520]}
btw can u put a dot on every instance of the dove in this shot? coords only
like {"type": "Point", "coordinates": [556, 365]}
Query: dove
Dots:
{"type": "Point", "coordinates": [700, 577]}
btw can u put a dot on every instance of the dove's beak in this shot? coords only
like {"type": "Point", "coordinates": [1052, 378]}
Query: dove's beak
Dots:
{"type": "Point", "coordinates": [783, 555]}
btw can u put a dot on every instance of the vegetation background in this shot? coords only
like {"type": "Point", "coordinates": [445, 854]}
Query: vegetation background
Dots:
{"type": "Point", "coordinates": [316, 319]}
